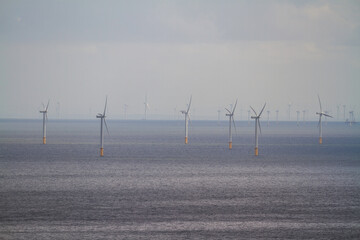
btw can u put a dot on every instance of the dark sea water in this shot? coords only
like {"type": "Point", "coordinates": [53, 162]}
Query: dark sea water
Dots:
{"type": "Point", "coordinates": [150, 185]}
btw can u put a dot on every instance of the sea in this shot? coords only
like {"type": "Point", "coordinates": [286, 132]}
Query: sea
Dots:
{"type": "Point", "coordinates": [150, 185]}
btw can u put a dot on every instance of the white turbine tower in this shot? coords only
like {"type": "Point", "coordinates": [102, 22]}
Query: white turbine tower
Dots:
{"type": "Point", "coordinates": [146, 104]}
{"type": "Point", "coordinates": [289, 110]}
{"type": "Point", "coordinates": [321, 113]}
{"type": "Point", "coordinates": [230, 114]}
{"type": "Point", "coordinates": [187, 117]}
{"type": "Point", "coordinates": [219, 112]}
{"type": "Point", "coordinates": [257, 123]}
{"type": "Point", "coordinates": [45, 118]}
{"type": "Point", "coordinates": [351, 118]}
{"type": "Point", "coordinates": [297, 117]}
{"type": "Point", "coordinates": [103, 121]}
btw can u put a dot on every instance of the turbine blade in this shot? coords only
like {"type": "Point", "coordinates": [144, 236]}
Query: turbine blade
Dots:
{"type": "Point", "coordinates": [233, 122]}
{"type": "Point", "coordinates": [327, 115]}
{"type": "Point", "coordinates": [46, 116]}
{"type": "Point", "coordinates": [262, 109]}
{"type": "Point", "coordinates": [189, 104]}
{"type": "Point", "coordinates": [228, 110]}
{"type": "Point", "coordinates": [320, 103]}
{"type": "Point", "coordinates": [106, 127]}
{"type": "Point", "coordinates": [47, 105]}
{"type": "Point", "coordinates": [253, 110]}
{"type": "Point", "coordinates": [259, 125]}
{"type": "Point", "coordinates": [234, 107]}
{"type": "Point", "coordinates": [43, 105]}
{"type": "Point", "coordinates": [105, 106]}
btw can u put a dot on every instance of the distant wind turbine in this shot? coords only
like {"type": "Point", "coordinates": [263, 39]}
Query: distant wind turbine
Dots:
{"type": "Point", "coordinates": [230, 114]}
{"type": "Point", "coordinates": [219, 112]}
{"type": "Point", "coordinates": [289, 110]}
{"type": "Point", "coordinates": [146, 104]}
{"type": "Point", "coordinates": [187, 117]}
{"type": "Point", "coordinates": [45, 118]}
{"type": "Point", "coordinates": [297, 117]}
{"type": "Point", "coordinates": [103, 121]}
{"type": "Point", "coordinates": [351, 118]}
{"type": "Point", "coordinates": [304, 112]}
{"type": "Point", "coordinates": [257, 123]}
{"type": "Point", "coordinates": [321, 113]}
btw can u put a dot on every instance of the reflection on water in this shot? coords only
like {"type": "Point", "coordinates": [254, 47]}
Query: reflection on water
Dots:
{"type": "Point", "coordinates": [150, 185]}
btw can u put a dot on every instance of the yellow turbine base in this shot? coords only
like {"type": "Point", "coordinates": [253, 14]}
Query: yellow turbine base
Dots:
{"type": "Point", "coordinates": [186, 140]}
{"type": "Point", "coordinates": [101, 152]}
{"type": "Point", "coordinates": [320, 140]}
{"type": "Point", "coordinates": [230, 145]}
{"type": "Point", "coordinates": [44, 140]}
{"type": "Point", "coordinates": [256, 151]}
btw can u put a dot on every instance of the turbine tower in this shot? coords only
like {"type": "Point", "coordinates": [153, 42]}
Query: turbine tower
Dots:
{"type": "Point", "coordinates": [257, 123]}
{"type": "Point", "coordinates": [45, 118]}
{"type": "Point", "coordinates": [219, 112]}
{"type": "Point", "coordinates": [304, 111]}
{"type": "Point", "coordinates": [289, 110]}
{"type": "Point", "coordinates": [103, 121]}
{"type": "Point", "coordinates": [321, 113]}
{"type": "Point", "coordinates": [351, 118]}
{"type": "Point", "coordinates": [146, 105]}
{"type": "Point", "coordinates": [297, 117]}
{"type": "Point", "coordinates": [277, 116]}
{"type": "Point", "coordinates": [230, 114]}
{"type": "Point", "coordinates": [187, 117]}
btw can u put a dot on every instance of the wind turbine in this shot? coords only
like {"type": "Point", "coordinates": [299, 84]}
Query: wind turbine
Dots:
{"type": "Point", "coordinates": [289, 110]}
{"type": "Point", "coordinates": [45, 118]}
{"type": "Point", "coordinates": [102, 118]}
{"type": "Point", "coordinates": [219, 112]}
{"type": "Point", "coordinates": [351, 118]}
{"type": "Point", "coordinates": [187, 117]}
{"type": "Point", "coordinates": [297, 117]}
{"type": "Point", "coordinates": [321, 113]}
{"type": "Point", "coordinates": [230, 114]}
{"type": "Point", "coordinates": [146, 104]}
{"type": "Point", "coordinates": [257, 123]}
{"type": "Point", "coordinates": [304, 112]}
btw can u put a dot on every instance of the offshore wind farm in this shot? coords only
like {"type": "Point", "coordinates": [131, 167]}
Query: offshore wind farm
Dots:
{"type": "Point", "coordinates": [187, 86]}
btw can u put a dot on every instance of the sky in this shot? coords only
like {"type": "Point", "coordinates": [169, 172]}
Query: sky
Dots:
{"type": "Point", "coordinates": [75, 53]}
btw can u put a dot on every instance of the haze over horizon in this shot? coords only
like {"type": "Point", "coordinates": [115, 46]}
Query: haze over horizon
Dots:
{"type": "Point", "coordinates": [279, 52]}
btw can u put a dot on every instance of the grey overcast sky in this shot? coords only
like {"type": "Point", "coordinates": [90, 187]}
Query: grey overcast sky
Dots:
{"type": "Point", "coordinates": [77, 52]}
